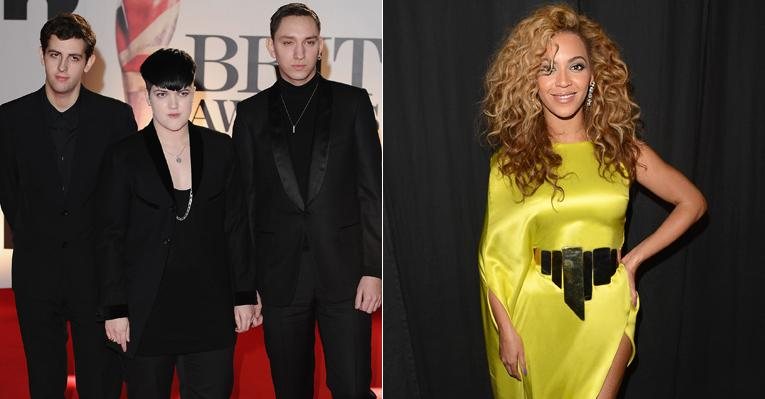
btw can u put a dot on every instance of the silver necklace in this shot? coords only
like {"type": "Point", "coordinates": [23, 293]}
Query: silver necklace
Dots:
{"type": "Point", "coordinates": [178, 159]}
{"type": "Point", "coordinates": [177, 156]}
{"type": "Point", "coordinates": [304, 108]}
{"type": "Point", "coordinates": [188, 206]}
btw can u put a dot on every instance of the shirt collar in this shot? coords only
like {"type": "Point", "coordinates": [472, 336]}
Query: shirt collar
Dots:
{"type": "Point", "coordinates": [67, 119]}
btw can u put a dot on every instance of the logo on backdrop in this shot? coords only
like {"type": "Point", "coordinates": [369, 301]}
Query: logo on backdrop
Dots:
{"type": "Point", "coordinates": [143, 26]}
{"type": "Point", "coordinates": [212, 109]}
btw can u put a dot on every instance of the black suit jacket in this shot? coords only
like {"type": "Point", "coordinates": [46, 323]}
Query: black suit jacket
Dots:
{"type": "Point", "coordinates": [341, 216]}
{"type": "Point", "coordinates": [52, 231]}
{"type": "Point", "coordinates": [136, 220]}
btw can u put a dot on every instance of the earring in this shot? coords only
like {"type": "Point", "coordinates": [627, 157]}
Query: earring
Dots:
{"type": "Point", "coordinates": [319, 56]}
{"type": "Point", "coordinates": [589, 94]}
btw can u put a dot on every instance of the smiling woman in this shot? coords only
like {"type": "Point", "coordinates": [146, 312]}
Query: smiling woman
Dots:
{"type": "Point", "coordinates": [564, 77]}
{"type": "Point", "coordinates": [560, 303]}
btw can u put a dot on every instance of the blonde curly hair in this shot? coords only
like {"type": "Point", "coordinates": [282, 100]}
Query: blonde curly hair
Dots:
{"type": "Point", "coordinates": [516, 127]}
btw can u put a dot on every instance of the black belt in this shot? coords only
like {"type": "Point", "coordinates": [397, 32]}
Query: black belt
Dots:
{"type": "Point", "coordinates": [578, 270]}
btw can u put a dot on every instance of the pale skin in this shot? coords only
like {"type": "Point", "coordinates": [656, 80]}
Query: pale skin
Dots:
{"type": "Point", "coordinates": [296, 47]}
{"type": "Point", "coordinates": [562, 91]}
{"type": "Point", "coordinates": [65, 63]}
{"type": "Point", "coordinates": [171, 110]}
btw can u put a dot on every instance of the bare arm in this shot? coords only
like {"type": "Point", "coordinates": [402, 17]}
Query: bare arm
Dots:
{"type": "Point", "coordinates": [670, 185]}
{"type": "Point", "coordinates": [510, 344]}
{"type": "Point", "coordinates": [500, 315]}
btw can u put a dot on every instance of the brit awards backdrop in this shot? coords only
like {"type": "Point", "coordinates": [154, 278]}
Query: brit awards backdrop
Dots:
{"type": "Point", "coordinates": [226, 38]}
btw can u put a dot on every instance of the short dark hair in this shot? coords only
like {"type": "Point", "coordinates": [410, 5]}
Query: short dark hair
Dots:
{"type": "Point", "coordinates": [67, 26]}
{"type": "Point", "coordinates": [292, 10]}
{"type": "Point", "coordinates": [168, 68]}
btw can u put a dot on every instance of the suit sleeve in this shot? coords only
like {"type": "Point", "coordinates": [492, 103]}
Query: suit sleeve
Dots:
{"type": "Point", "coordinates": [238, 241]}
{"type": "Point", "coordinates": [112, 215]}
{"type": "Point", "coordinates": [245, 151]}
{"type": "Point", "coordinates": [127, 125]}
{"type": "Point", "coordinates": [9, 177]}
{"type": "Point", "coordinates": [369, 183]}
{"type": "Point", "coordinates": [111, 218]}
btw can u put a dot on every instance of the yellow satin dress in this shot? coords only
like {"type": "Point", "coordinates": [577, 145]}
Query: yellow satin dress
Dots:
{"type": "Point", "coordinates": [566, 357]}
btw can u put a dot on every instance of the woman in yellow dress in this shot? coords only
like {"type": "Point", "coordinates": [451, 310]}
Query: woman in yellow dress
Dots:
{"type": "Point", "coordinates": [559, 296]}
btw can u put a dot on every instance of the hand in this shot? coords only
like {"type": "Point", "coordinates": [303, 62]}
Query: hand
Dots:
{"type": "Point", "coordinates": [631, 264]}
{"type": "Point", "coordinates": [118, 331]}
{"type": "Point", "coordinates": [369, 294]}
{"type": "Point", "coordinates": [257, 316]}
{"type": "Point", "coordinates": [243, 317]}
{"type": "Point", "coordinates": [511, 353]}
{"type": "Point", "coordinates": [633, 290]}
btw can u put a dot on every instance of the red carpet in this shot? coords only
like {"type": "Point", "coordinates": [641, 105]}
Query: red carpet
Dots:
{"type": "Point", "coordinates": [251, 376]}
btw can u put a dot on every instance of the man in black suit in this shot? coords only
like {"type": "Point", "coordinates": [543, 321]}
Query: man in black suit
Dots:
{"type": "Point", "coordinates": [311, 161]}
{"type": "Point", "coordinates": [51, 145]}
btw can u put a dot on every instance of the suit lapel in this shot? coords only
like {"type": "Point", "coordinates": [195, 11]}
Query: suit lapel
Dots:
{"type": "Point", "coordinates": [196, 147]}
{"type": "Point", "coordinates": [87, 157]}
{"type": "Point", "coordinates": [277, 130]}
{"type": "Point", "coordinates": [154, 148]}
{"type": "Point", "coordinates": [82, 146]}
{"type": "Point", "coordinates": [321, 138]}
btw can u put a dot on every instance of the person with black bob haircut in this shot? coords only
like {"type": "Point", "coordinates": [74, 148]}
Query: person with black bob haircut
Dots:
{"type": "Point", "coordinates": [170, 69]}
{"type": "Point", "coordinates": [174, 245]}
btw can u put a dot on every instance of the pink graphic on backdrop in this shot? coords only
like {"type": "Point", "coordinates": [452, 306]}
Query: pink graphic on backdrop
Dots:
{"type": "Point", "coordinates": [143, 26]}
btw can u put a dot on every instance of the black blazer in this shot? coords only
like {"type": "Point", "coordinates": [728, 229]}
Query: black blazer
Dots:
{"type": "Point", "coordinates": [341, 218]}
{"type": "Point", "coordinates": [136, 220]}
{"type": "Point", "coordinates": [52, 232]}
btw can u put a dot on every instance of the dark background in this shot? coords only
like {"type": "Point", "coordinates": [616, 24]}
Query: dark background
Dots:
{"type": "Point", "coordinates": [698, 74]}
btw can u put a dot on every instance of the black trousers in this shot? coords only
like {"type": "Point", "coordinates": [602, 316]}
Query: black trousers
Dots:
{"type": "Point", "coordinates": [345, 335]}
{"type": "Point", "coordinates": [98, 370]}
{"type": "Point", "coordinates": [202, 375]}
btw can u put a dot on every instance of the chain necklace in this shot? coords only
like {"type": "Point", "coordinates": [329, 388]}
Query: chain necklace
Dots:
{"type": "Point", "coordinates": [188, 206]}
{"type": "Point", "coordinates": [178, 159]}
{"type": "Point", "coordinates": [304, 108]}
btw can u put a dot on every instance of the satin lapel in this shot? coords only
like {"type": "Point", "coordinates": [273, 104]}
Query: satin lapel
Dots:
{"type": "Point", "coordinates": [321, 138]}
{"type": "Point", "coordinates": [196, 146]}
{"type": "Point", "coordinates": [278, 131]}
{"type": "Point", "coordinates": [149, 135]}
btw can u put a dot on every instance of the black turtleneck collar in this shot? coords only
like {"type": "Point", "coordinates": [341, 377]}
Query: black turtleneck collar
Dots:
{"type": "Point", "coordinates": [302, 91]}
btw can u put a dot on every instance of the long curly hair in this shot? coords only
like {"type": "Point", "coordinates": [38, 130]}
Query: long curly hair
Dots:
{"type": "Point", "coordinates": [515, 125]}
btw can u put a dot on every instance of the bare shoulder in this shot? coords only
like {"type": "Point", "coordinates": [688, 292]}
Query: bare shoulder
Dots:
{"type": "Point", "coordinates": [649, 161]}
{"type": "Point", "coordinates": [665, 180]}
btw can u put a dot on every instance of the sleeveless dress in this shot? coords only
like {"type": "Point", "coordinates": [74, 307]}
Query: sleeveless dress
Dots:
{"type": "Point", "coordinates": [569, 347]}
